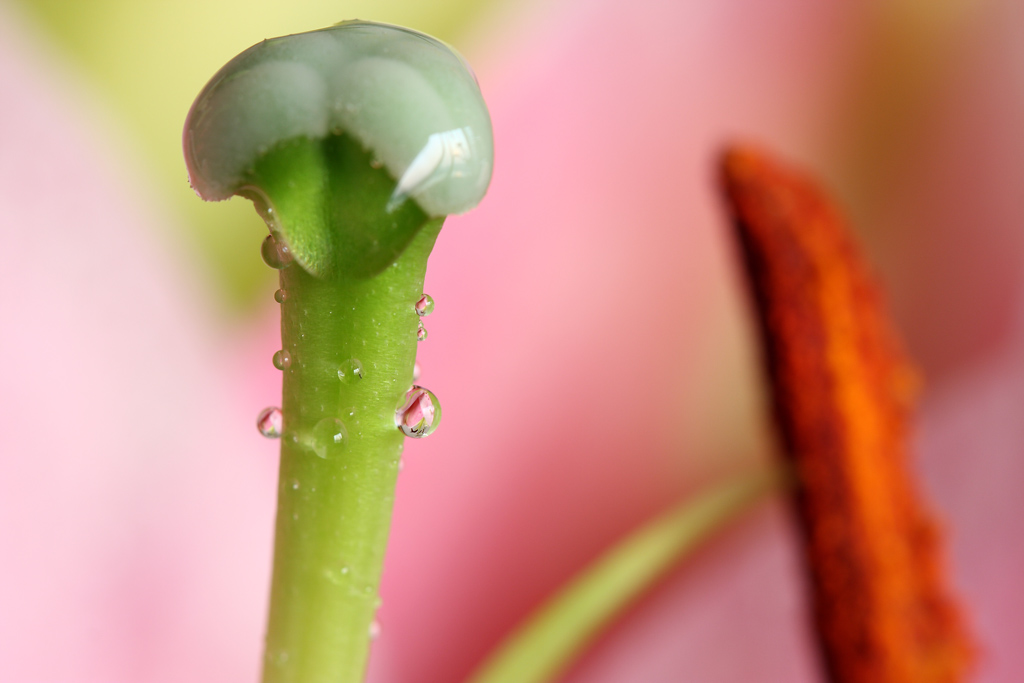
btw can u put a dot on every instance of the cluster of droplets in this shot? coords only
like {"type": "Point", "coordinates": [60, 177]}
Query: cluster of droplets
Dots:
{"type": "Point", "coordinates": [418, 416]}
{"type": "Point", "coordinates": [277, 255]}
{"type": "Point", "coordinates": [424, 307]}
{"type": "Point", "coordinates": [329, 436]}
{"type": "Point", "coordinates": [420, 413]}
{"type": "Point", "coordinates": [270, 422]}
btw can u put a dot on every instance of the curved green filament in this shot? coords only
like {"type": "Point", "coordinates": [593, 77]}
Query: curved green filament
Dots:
{"type": "Point", "coordinates": [559, 631]}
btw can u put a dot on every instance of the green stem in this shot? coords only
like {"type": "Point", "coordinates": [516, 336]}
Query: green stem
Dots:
{"type": "Point", "coordinates": [550, 639]}
{"type": "Point", "coordinates": [335, 501]}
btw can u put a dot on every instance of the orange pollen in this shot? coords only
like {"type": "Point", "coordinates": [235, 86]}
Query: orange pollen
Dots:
{"type": "Point", "coordinates": [843, 391]}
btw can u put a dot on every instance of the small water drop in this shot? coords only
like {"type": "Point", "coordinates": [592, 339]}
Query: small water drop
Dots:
{"type": "Point", "coordinates": [295, 484]}
{"type": "Point", "coordinates": [374, 629]}
{"type": "Point", "coordinates": [421, 332]}
{"type": "Point", "coordinates": [425, 306]}
{"type": "Point", "coordinates": [350, 371]}
{"type": "Point", "coordinates": [415, 372]}
{"type": "Point", "coordinates": [329, 437]}
{"type": "Point", "coordinates": [276, 253]}
{"type": "Point", "coordinates": [282, 359]}
{"type": "Point", "coordinates": [420, 413]}
{"type": "Point", "coordinates": [270, 422]}
{"type": "Point", "coordinates": [332, 576]}
{"type": "Point", "coordinates": [280, 296]}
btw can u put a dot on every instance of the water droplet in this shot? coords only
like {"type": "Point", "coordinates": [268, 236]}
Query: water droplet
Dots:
{"type": "Point", "coordinates": [295, 484]}
{"type": "Point", "coordinates": [350, 371]}
{"type": "Point", "coordinates": [280, 296]}
{"type": "Point", "coordinates": [425, 306]}
{"type": "Point", "coordinates": [276, 253]}
{"type": "Point", "coordinates": [421, 332]}
{"type": "Point", "coordinates": [374, 629]}
{"type": "Point", "coordinates": [333, 576]}
{"type": "Point", "coordinates": [282, 359]}
{"type": "Point", "coordinates": [415, 372]}
{"type": "Point", "coordinates": [420, 414]}
{"type": "Point", "coordinates": [329, 437]}
{"type": "Point", "coordinates": [270, 422]}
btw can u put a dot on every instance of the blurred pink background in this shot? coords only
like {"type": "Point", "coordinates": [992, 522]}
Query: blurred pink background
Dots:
{"type": "Point", "coordinates": [591, 347]}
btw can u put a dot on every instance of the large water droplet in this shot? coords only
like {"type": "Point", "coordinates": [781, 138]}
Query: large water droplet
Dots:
{"type": "Point", "coordinates": [282, 359]}
{"type": "Point", "coordinates": [270, 422]}
{"type": "Point", "coordinates": [420, 413]}
{"type": "Point", "coordinates": [425, 306]}
{"type": "Point", "coordinates": [350, 371]}
{"type": "Point", "coordinates": [329, 437]}
{"type": "Point", "coordinates": [421, 332]}
{"type": "Point", "coordinates": [280, 296]}
{"type": "Point", "coordinates": [276, 253]}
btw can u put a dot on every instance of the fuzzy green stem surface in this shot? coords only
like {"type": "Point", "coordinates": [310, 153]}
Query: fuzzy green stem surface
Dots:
{"type": "Point", "coordinates": [335, 501]}
{"type": "Point", "coordinates": [544, 646]}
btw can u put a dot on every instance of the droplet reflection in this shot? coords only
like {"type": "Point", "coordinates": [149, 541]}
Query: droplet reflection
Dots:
{"type": "Point", "coordinates": [425, 306]}
{"type": "Point", "coordinates": [420, 413]}
{"type": "Point", "coordinates": [270, 422]}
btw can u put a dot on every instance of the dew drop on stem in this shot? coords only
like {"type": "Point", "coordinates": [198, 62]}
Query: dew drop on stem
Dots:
{"type": "Point", "coordinates": [425, 306]}
{"type": "Point", "coordinates": [270, 422]}
{"type": "Point", "coordinates": [420, 413]}
{"type": "Point", "coordinates": [351, 371]}
{"type": "Point", "coordinates": [421, 332]}
{"type": "Point", "coordinates": [282, 359]}
{"type": "Point", "coordinates": [329, 437]}
{"type": "Point", "coordinates": [276, 253]}
{"type": "Point", "coordinates": [280, 296]}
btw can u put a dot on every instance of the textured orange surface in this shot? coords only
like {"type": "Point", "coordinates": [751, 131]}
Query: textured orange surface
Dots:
{"type": "Point", "coordinates": [842, 391]}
